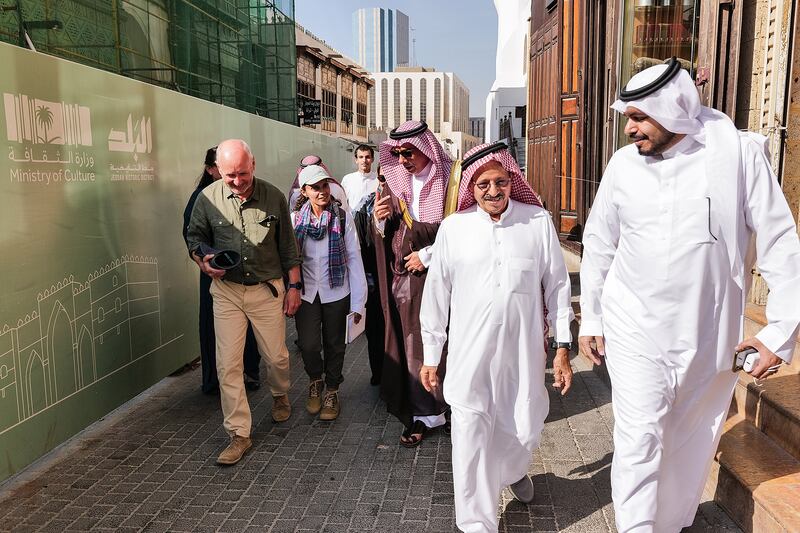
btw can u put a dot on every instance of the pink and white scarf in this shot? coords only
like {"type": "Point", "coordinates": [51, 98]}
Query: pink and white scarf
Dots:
{"type": "Point", "coordinates": [432, 195]}
{"type": "Point", "coordinates": [521, 190]}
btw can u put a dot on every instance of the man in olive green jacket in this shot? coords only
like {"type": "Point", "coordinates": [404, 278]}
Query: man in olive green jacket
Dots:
{"type": "Point", "coordinates": [250, 217]}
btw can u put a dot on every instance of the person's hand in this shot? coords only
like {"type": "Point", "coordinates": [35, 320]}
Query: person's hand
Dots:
{"type": "Point", "coordinates": [291, 302]}
{"type": "Point", "coordinates": [383, 208]}
{"type": "Point", "coordinates": [413, 264]}
{"type": "Point", "coordinates": [356, 318]}
{"type": "Point", "coordinates": [205, 266]}
{"type": "Point", "coordinates": [768, 362]}
{"type": "Point", "coordinates": [428, 377]}
{"type": "Point", "coordinates": [562, 371]}
{"type": "Point", "coordinates": [595, 355]}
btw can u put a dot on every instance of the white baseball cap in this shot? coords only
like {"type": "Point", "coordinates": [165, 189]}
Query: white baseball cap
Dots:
{"type": "Point", "coordinates": [312, 174]}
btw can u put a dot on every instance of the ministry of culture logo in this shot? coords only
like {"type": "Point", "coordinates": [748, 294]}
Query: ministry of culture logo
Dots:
{"type": "Point", "coordinates": [35, 121]}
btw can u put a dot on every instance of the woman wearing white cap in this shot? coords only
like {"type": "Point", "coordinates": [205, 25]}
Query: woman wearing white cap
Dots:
{"type": "Point", "coordinates": [334, 285]}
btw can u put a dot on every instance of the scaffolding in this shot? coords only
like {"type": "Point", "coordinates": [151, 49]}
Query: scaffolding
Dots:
{"type": "Point", "coordinates": [239, 53]}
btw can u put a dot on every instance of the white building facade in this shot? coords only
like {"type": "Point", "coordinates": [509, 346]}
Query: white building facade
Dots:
{"type": "Point", "coordinates": [439, 98]}
{"type": "Point", "coordinates": [381, 38]}
{"type": "Point", "coordinates": [510, 88]}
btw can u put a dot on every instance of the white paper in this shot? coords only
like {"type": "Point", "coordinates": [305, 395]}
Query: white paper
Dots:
{"type": "Point", "coordinates": [353, 330]}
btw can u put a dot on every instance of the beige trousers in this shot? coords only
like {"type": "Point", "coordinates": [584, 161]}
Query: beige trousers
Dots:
{"type": "Point", "coordinates": [234, 305]}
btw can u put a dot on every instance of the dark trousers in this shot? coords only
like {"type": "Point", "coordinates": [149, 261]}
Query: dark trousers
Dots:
{"type": "Point", "coordinates": [374, 330]}
{"type": "Point", "coordinates": [320, 328]}
{"type": "Point", "coordinates": [208, 342]}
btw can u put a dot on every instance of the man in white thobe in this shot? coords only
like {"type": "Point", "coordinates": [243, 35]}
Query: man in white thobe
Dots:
{"type": "Point", "coordinates": [489, 266]}
{"type": "Point", "coordinates": [666, 268]}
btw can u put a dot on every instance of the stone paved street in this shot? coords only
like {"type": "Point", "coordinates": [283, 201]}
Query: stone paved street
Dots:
{"type": "Point", "coordinates": [150, 466]}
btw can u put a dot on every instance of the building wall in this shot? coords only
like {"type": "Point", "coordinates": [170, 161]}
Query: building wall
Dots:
{"type": "Point", "coordinates": [232, 54]}
{"type": "Point", "coordinates": [453, 99]}
{"type": "Point", "coordinates": [509, 89]}
{"type": "Point", "coordinates": [349, 82]}
{"type": "Point", "coordinates": [403, 56]}
{"type": "Point", "coordinates": [791, 165]}
{"type": "Point", "coordinates": [477, 127]}
{"type": "Point", "coordinates": [762, 103]}
{"type": "Point", "coordinates": [751, 62]}
{"type": "Point", "coordinates": [433, 97]}
{"type": "Point", "coordinates": [381, 38]}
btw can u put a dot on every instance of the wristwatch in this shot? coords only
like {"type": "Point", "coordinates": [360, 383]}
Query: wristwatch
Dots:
{"type": "Point", "coordinates": [556, 345]}
{"type": "Point", "coordinates": [297, 285]}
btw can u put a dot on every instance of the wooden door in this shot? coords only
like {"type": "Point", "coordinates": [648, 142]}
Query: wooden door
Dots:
{"type": "Point", "coordinates": [555, 110]}
{"type": "Point", "coordinates": [571, 116]}
{"type": "Point", "coordinates": [542, 160]}
{"type": "Point", "coordinates": [599, 91]}
{"type": "Point", "coordinates": [718, 54]}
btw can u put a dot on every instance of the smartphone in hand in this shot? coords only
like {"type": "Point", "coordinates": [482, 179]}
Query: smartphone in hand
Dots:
{"type": "Point", "coordinates": [740, 359]}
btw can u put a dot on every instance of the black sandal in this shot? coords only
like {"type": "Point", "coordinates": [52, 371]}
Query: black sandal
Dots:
{"type": "Point", "coordinates": [411, 437]}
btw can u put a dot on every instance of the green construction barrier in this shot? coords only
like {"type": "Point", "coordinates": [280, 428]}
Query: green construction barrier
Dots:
{"type": "Point", "coordinates": [99, 298]}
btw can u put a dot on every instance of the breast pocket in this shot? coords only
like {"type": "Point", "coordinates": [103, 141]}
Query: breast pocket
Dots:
{"type": "Point", "coordinates": [223, 231]}
{"type": "Point", "coordinates": [522, 275]}
{"type": "Point", "coordinates": [696, 223]}
{"type": "Point", "coordinates": [261, 229]}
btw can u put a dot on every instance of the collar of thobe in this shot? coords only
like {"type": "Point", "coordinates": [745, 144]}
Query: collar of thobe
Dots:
{"type": "Point", "coordinates": [368, 176]}
{"type": "Point", "coordinates": [684, 146]}
{"type": "Point", "coordinates": [486, 216]}
{"type": "Point", "coordinates": [425, 173]}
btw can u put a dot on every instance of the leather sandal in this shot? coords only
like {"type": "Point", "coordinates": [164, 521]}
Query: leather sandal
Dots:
{"type": "Point", "coordinates": [411, 437]}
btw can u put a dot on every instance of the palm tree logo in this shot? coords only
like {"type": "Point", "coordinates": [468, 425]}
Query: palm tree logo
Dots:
{"type": "Point", "coordinates": [45, 119]}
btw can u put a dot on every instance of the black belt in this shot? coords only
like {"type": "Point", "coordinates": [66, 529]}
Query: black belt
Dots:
{"type": "Point", "coordinates": [272, 288]}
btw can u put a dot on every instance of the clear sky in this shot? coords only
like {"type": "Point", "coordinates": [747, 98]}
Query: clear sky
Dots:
{"type": "Point", "coordinates": [458, 36]}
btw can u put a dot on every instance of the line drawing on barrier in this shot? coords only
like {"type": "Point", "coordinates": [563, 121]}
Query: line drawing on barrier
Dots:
{"type": "Point", "coordinates": [79, 334]}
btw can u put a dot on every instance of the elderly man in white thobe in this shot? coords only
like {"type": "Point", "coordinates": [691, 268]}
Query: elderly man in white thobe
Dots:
{"type": "Point", "coordinates": [494, 265]}
{"type": "Point", "coordinates": [668, 252]}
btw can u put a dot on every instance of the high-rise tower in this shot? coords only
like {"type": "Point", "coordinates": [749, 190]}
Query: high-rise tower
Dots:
{"type": "Point", "coordinates": [380, 38]}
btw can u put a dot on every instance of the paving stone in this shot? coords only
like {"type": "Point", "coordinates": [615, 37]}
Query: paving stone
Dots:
{"type": "Point", "coordinates": [158, 472]}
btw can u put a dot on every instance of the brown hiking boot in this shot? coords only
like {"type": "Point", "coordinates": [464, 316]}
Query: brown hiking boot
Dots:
{"type": "Point", "coordinates": [330, 406]}
{"type": "Point", "coordinates": [235, 450]}
{"type": "Point", "coordinates": [314, 402]}
{"type": "Point", "coordinates": [281, 410]}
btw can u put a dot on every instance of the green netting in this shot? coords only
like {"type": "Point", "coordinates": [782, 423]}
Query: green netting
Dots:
{"type": "Point", "coordinates": [239, 53]}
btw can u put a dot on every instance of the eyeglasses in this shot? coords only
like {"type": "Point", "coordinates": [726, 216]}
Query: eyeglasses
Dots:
{"type": "Point", "coordinates": [406, 152]}
{"type": "Point", "coordinates": [498, 184]}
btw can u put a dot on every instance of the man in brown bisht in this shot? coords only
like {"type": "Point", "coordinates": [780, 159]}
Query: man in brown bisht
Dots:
{"type": "Point", "coordinates": [409, 207]}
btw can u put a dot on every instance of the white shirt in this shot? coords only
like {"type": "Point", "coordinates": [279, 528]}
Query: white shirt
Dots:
{"type": "Point", "coordinates": [315, 270]}
{"type": "Point", "coordinates": [417, 183]}
{"type": "Point", "coordinates": [358, 186]}
{"type": "Point", "coordinates": [656, 278]}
